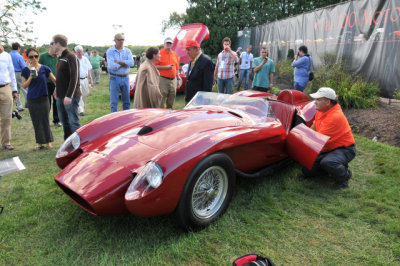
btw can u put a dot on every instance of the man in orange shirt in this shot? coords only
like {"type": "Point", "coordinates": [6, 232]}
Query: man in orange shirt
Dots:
{"type": "Point", "coordinates": [168, 67]}
{"type": "Point", "coordinates": [340, 149]}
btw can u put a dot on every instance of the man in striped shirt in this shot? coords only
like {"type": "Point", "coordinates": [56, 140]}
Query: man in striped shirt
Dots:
{"type": "Point", "coordinates": [225, 67]}
{"type": "Point", "coordinates": [68, 91]}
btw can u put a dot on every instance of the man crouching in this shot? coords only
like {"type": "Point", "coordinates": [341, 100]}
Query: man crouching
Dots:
{"type": "Point", "coordinates": [340, 149]}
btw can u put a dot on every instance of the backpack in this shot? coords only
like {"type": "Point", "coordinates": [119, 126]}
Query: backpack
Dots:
{"type": "Point", "coordinates": [253, 259]}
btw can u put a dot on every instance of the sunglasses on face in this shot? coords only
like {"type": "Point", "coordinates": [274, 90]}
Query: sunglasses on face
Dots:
{"type": "Point", "coordinates": [120, 39]}
{"type": "Point", "coordinates": [33, 56]}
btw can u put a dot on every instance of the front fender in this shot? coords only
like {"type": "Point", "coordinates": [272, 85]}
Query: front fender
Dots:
{"type": "Point", "coordinates": [178, 161]}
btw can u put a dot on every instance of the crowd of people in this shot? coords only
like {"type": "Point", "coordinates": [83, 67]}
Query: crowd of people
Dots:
{"type": "Point", "coordinates": [61, 79]}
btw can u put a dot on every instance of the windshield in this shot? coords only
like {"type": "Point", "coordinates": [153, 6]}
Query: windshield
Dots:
{"type": "Point", "coordinates": [253, 108]}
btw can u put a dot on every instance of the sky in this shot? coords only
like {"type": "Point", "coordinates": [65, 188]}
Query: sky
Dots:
{"type": "Point", "coordinates": [90, 22]}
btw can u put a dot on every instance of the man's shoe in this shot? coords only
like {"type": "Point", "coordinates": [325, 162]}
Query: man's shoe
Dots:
{"type": "Point", "coordinates": [57, 124]}
{"type": "Point", "coordinates": [20, 109]}
{"type": "Point", "coordinates": [82, 114]}
{"type": "Point", "coordinates": [8, 147]}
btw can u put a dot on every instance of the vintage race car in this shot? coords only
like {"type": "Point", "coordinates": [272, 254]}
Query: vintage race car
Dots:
{"type": "Point", "coordinates": [151, 162]}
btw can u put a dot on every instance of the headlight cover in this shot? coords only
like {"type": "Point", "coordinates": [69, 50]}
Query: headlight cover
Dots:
{"type": "Point", "coordinates": [70, 145]}
{"type": "Point", "coordinates": [148, 179]}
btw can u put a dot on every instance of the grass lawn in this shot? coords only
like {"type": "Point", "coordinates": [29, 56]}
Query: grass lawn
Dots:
{"type": "Point", "coordinates": [292, 220]}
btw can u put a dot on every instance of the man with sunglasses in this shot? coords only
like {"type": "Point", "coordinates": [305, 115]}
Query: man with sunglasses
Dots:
{"type": "Point", "coordinates": [119, 59]}
{"type": "Point", "coordinates": [8, 91]}
{"type": "Point", "coordinates": [68, 92]}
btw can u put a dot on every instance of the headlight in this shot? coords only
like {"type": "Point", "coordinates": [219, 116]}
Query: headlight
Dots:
{"type": "Point", "coordinates": [148, 179]}
{"type": "Point", "coordinates": [70, 145]}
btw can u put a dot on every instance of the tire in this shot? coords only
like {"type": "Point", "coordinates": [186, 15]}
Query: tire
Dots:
{"type": "Point", "coordinates": [207, 192]}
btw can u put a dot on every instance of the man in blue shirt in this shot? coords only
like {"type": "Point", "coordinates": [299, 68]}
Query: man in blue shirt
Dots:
{"type": "Point", "coordinates": [119, 61]}
{"type": "Point", "coordinates": [246, 62]}
{"type": "Point", "coordinates": [264, 69]}
{"type": "Point", "coordinates": [19, 64]}
{"type": "Point", "coordinates": [8, 92]}
{"type": "Point", "coordinates": [302, 64]}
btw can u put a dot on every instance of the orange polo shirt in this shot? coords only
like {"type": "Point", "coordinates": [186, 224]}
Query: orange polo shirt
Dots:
{"type": "Point", "coordinates": [334, 124]}
{"type": "Point", "coordinates": [168, 59]}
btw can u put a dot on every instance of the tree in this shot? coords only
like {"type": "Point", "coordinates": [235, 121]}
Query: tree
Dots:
{"type": "Point", "coordinates": [12, 27]}
{"type": "Point", "coordinates": [175, 21]}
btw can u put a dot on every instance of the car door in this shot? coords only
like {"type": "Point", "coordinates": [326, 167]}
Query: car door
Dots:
{"type": "Point", "coordinates": [304, 144]}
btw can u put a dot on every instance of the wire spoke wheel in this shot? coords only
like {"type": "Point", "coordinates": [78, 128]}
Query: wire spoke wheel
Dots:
{"type": "Point", "coordinates": [209, 192]}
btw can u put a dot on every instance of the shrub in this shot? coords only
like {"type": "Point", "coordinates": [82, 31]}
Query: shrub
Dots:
{"type": "Point", "coordinates": [351, 89]}
{"type": "Point", "coordinates": [396, 94]}
{"type": "Point", "coordinates": [275, 91]}
{"type": "Point", "coordinates": [284, 73]}
{"type": "Point", "coordinates": [290, 55]}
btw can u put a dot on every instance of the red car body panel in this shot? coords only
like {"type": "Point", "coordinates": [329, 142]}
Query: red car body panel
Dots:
{"type": "Point", "coordinates": [195, 31]}
{"type": "Point", "coordinates": [112, 152]}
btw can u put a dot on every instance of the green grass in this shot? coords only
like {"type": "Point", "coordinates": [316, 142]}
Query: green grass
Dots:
{"type": "Point", "coordinates": [294, 221]}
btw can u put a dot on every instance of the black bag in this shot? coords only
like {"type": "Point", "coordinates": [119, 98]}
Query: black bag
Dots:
{"type": "Point", "coordinates": [311, 76]}
{"type": "Point", "coordinates": [253, 259]}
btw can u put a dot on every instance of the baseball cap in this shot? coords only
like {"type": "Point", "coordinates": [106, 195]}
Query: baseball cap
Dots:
{"type": "Point", "coordinates": [168, 39]}
{"type": "Point", "coordinates": [192, 43]}
{"type": "Point", "coordinates": [324, 92]}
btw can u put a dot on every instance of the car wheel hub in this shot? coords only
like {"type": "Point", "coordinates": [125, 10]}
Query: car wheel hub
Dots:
{"type": "Point", "coordinates": [209, 192]}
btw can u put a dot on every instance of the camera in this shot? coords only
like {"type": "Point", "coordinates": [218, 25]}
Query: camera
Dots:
{"type": "Point", "coordinates": [16, 114]}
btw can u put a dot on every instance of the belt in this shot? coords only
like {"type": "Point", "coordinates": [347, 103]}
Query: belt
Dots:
{"type": "Point", "coordinates": [3, 85]}
{"type": "Point", "coordinates": [122, 76]}
{"type": "Point", "coordinates": [83, 78]}
{"type": "Point", "coordinates": [168, 78]}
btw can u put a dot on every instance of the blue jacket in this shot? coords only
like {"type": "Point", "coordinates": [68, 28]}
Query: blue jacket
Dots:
{"type": "Point", "coordinates": [302, 69]}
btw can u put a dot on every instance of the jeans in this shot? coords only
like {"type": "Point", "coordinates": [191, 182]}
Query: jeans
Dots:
{"type": "Point", "coordinates": [119, 85]}
{"type": "Point", "coordinates": [333, 163]}
{"type": "Point", "coordinates": [298, 87]}
{"type": "Point", "coordinates": [244, 73]}
{"type": "Point", "coordinates": [225, 85]}
{"type": "Point", "coordinates": [68, 115]}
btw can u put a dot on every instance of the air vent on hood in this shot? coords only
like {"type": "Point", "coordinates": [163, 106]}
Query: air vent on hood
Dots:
{"type": "Point", "coordinates": [144, 130]}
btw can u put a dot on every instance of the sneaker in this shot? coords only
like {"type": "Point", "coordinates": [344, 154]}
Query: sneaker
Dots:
{"type": "Point", "coordinates": [20, 109]}
{"type": "Point", "coordinates": [57, 124]}
{"type": "Point", "coordinates": [82, 114]}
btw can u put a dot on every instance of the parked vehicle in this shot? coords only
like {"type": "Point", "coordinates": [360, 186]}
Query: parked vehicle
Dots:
{"type": "Point", "coordinates": [151, 162]}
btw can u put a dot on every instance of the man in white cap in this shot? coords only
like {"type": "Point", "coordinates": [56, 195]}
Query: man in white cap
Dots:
{"type": "Point", "coordinates": [168, 67]}
{"type": "Point", "coordinates": [340, 148]}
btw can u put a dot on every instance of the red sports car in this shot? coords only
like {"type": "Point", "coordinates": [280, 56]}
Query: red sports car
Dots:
{"type": "Point", "coordinates": [151, 162]}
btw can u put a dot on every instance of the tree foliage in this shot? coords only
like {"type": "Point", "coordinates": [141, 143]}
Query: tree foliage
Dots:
{"type": "Point", "coordinates": [226, 17]}
{"type": "Point", "coordinates": [175, 21]}
{"type": "Point", "coordinates": [13, 25]}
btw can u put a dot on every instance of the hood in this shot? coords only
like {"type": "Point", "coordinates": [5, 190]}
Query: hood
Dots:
{"type": "Point", "coordinates": [143, 139]}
